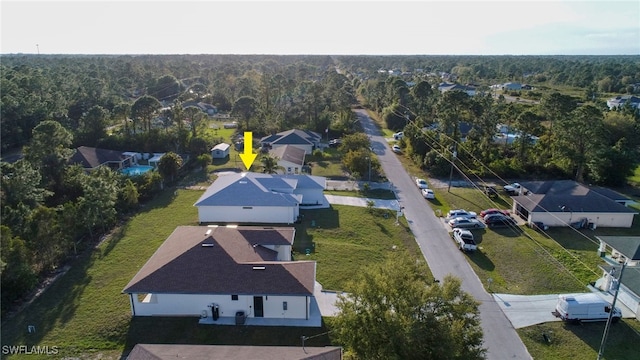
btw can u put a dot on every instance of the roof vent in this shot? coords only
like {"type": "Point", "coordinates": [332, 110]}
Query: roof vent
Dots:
{"type": "Point", "coordinates": [207, 245]}
{"type": "Point", "coordinates": [259, 268]}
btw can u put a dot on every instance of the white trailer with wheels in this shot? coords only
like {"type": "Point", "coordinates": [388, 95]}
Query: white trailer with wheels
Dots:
{"type": "Point", "coordinates": [584, 307]}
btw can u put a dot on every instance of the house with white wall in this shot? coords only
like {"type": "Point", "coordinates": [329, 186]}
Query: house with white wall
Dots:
{"type": "Point", "coordinates": [290, 158]}
{"type": "Point", "coordinates": [216, 272]}
{"type": "Point", "coordinates": [304, 139]}
{"type": "Point", "coordinates": [562, 202]}
{"type": "Point", "coordinates": [622, 250]}
{"type": "Point", "coordinates": [241, 198]}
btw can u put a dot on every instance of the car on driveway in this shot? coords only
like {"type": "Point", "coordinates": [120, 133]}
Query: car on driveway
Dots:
{"type": "Point", "coordinates": [498, 220]}
{"type": "Point", "coordinates": [465, 223]}
{"type": "Point", "coordinates": [428, 194]}
{"type": "Point", "coordinates": [464, 239]}
{"type": "Point", "coordinates": [422, 183]}
{"type": "Point", "coordinates": [398, 135]}
{"type": "Point", "coordinates": [396, 149]}
{"type": "Point", "coordinates": [461, 213]}
{"type": "Point", "coordinates": [513, 189]}
{"type": "Point", "coordinates": [486, 212]}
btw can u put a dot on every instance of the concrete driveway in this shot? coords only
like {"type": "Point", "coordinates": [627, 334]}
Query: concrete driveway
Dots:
{"type": "Point", "coordinates": [362, 202]}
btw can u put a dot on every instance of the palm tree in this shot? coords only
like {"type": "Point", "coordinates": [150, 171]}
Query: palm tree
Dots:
{"type": "Point", "coordinates": [270, 164]}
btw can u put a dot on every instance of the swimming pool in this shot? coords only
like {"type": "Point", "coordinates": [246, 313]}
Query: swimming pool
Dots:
{"type": "Point", "coordinates": [136, 170]}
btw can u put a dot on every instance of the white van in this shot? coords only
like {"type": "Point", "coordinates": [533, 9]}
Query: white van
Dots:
{"type": "Point", "coordinates": [584, 307]}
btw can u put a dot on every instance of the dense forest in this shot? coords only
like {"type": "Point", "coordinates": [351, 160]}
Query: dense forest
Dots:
{"type": "Point", "coordinates": [52, 104]}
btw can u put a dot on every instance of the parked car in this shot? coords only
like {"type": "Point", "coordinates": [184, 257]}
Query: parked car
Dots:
{"type": "Point", "coordinates": [335, 142]}
{"type": "Point", "coordinates": [499, 220]}
{"type": "Point", "coordinates": [585, 307]}
{"type": "Point", "coordinates": [398, 135]}
{"type": "Point", "coordinates": [486, 212]}
{"type": "Point", "coordinates": [461, 222]}
{"type": "Point", "coordinates": [396, 149]}
{"type": "Point", "coordinates": [422, 183]}
{"type": "Point", "coordinates": [512, 189]}
{"type": "Point", "coordinates": [428, 194]}
{"type": "Point", "coordinates": [461, 213]}
{"type": "Point", "coordinates": [464, 239]}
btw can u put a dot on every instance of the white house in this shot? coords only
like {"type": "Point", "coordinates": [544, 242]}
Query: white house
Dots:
{"type": "Point", "coordinates": [445, 86]}
{"type": "Point", "coordinates": [259, 198]}
{"type": "Point", "coordinates": [220, 151]}
{"type": "Point", "coordinates": [233, 352]}
{"type": "Point", "coordinates": [562, 202]}
{"type": "Point", "coordinates": [222, 272]}
{"type": "Point", "coordinates": [290, 158]}
{"type": "Point", "coordinates": [303, 139]}
{"type": "Point", "coordinates": [624, 249]}
{"type": "Point", "coordinates": [621, 100]}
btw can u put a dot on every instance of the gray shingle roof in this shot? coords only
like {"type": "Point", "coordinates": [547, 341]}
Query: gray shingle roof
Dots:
{"type": "Point", "coordinates": [289, 153]}
{"type": "Point", "coordinates": [181, 265]}
{"type": "Point", "coordinates": [552, 196]}
{"type": "Point", "coordinates": [89, 157]}
{"type": "Point", "coordinates": [292, 137]}
{"type": "Point", "coordinates": [630, 278]}
{"type": "Point", "coordinates": [232, 352]}
{"type": "Point", "coordinates": [629, 246]}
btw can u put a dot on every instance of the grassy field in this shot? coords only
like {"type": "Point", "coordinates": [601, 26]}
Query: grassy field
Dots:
{"type": "Point", "coordinates": [635, 178]}
{"type": "Point", "coordinates": [328, 165]}
{"type": "Point", "coordinates": [382, 194]}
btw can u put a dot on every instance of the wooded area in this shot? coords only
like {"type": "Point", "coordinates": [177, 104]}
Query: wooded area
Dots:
{"type": "Point", "coordinates": [50, 105]}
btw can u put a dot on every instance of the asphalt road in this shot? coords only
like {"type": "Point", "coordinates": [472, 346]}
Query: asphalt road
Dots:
{"type": "Point", "coordinates": [443, 257]}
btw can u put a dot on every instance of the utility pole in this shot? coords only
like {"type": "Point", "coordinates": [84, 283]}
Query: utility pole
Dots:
{"type": "Point", "coordinates": [38, 48]}
{"type": "Point", "coordinates": [613, 306]}
{"type": "Point", "coordinates": [455, 154]}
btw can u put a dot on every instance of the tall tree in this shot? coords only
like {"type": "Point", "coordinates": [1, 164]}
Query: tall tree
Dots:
{"type": "Point", "coordinates": [270, 164]}
{"type": "Point", "coordinates": [144, 109]}
{"type": "Point", "coordinates": [93, 125]}
{"type": "Point", "coordinates": [245, 108]}
{"type": "Point", "coordinates": [390, 312]}
{"type": "Point", "coordinates": [49, 150]}
{"type": "Point", "coordinates": [169, 165]}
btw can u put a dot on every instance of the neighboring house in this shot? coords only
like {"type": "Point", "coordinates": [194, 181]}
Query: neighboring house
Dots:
{"type": "Point", "coordinates": [259, 198]}
{"type": "Point", "coordinates": [217, 273]}
{"type": "Point", "coordinates": [613, 195]}
{"type": "Point", "coordinates": [623, 249]}
{"type": "Point", "coordinates": [290, 158]}
{"type": "Point", "coordinates": [445, 86]}
{"type": "Point", "coordinates": [511, 86]}
{"type": "Point", "coordinates": [204, 107]}
{"type": "Point", "coordinates": [303, 139]}
{"type": "Point", "coordinates": [155, 159]}
{"type": "Point", "coordinates": [232, 352]}
{"type": "Point", "coordinates": [562, 202]}
{"type": "Point", "coordinates": [621, 100]}
{"type": "Point", "coordinates": [91, 158]}
{"type": "Point", "coordinates": [220, 151]}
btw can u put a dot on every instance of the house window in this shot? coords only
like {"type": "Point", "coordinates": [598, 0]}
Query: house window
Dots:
{"type": "Point", "coordinates": [234, 297]}
{"type": "Point", "coordinates": [284, 305]}
{"type": "Point", "coordinates": [289, 170]}
{"type": "Point", "coordinates": [295, 170]}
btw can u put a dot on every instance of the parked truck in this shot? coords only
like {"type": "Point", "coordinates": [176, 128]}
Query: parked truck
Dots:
{"type": "Point", "coordinates": [464, 239]}
{"type": "Point", "coordinates": [584, 307]}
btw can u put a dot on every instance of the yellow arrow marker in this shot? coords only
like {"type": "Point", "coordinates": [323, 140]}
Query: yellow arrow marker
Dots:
{"type": "Point", "coordinates": [248, 157]}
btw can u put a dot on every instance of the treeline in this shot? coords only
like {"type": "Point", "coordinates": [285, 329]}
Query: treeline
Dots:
{"type": "Point", "coordinates": [559, 137]}
{"type": "Point", "coordinates": [51, 105]}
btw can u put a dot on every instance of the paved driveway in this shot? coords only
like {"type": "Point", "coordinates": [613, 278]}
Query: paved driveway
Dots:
{"type": "Point", "coordinates": [500, 337]}
{"type": "Point", "coordinates": [362, 202]}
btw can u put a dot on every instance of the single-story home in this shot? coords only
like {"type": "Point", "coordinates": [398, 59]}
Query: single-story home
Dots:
{"type": "Point", "coordinates": [259, 198]}
{"type": "Point", "coordinates": [91, 158]}
{"type": "Point", "coordinates": [621, 100]}
{"type": "Point", "coordinates": [290, 158]}
{"type": "Point", "coordinates": [445, 86]}
{"type": "Point", "coordinates": [624, 249]}
{"type": "Point", "coordinates": [304, 139]}
{"type": "Point", "coordinates": [562, 202]}
{"type": "Point", "coordinates": [511, 86]}
{"type": "Point", "coordinates": [232, 352]}
{"type": "Point", "coordinates": [213, 272]}
{"type": "Point", "coordinates": [220, 151]}
{"type": "Point", "coordinates": [204, 107]}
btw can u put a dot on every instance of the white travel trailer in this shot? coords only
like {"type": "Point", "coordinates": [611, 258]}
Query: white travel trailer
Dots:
{"type": "Point", "coordinates": [584, 307]}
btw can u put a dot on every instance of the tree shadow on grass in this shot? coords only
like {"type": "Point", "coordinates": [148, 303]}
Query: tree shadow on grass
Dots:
{"type": "Point", "coordinates": [480, 259]}
{"type": "Point", "coordinates": [179, 330]}
{"type": "Point", "coordinates": [621, 342]}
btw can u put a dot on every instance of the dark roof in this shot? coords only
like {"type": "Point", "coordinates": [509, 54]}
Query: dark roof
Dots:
{"type": "Point", "coordinates": [554, 196]}
{"type": "Point", "coordinates": [630, 278]}
{"type": "Point", "coordinates": [613, 195]}
{"type": "Point", "coordinates": [292, 137]}
{"type": "Point", "coordinates": [629, 246]}
{"type": "Point", "coordinates": [89, 157]}
{"type": "Point", "coordinates": [182, 265]}
{"type": "Point", "coordinates": [232, 352]}
{"type": "Point", "coordinates": [288, 153]}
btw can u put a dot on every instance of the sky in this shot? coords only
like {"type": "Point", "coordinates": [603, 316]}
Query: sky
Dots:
{"type": "Point", "coordinates": [454, 27]}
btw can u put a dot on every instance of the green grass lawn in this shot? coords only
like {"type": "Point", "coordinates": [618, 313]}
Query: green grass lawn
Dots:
{"type": "Point", "coordinates": [635, 178]}
{"type": "Point", "coordinates": [382, 194]}
{"type": "Point", "coordinates": [568, 341]}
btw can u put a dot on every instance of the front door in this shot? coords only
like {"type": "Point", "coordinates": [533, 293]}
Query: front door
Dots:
{"type": "Point", "coordinates": [258, 307]}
